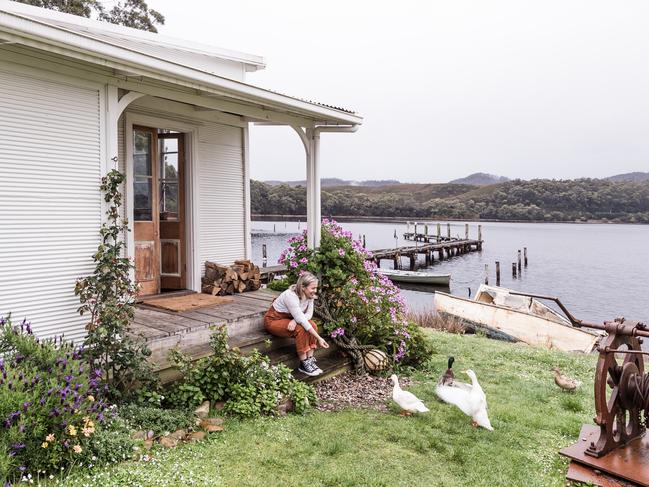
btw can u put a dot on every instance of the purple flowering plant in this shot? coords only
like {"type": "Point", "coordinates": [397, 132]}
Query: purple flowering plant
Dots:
{"type": "Point", "coordinates": [354, 299]}
{"type": "Point", "coordinates": [50, 402]}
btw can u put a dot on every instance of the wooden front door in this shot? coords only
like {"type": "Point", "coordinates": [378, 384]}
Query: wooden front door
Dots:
{"type": "Point", "coordinates": [158, 210]}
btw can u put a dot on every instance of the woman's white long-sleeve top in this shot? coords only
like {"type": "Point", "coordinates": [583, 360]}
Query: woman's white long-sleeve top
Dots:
{"type": "Point", "coordinates": [300, 309]}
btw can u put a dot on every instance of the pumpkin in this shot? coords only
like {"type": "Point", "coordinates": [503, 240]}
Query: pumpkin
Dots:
{"type": "Point", "coordinates": [375, 360]}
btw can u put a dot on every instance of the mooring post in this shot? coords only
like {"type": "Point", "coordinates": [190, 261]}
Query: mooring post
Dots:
{"type": "Point", "coordinates": [415, 232]}
{"type": "Point", "coordinates": [486, 274]}
{"type": "Point", "coordinates": [397, 260]}
{"type": "Point", "coordinates": [274, 230]}
{"type": "Point", "coordinates": [263, 255]}
{"type": "Point", "coordinates": [413, 261]}
{"type": "Point", "coordinates": [298, 224]}
{"type": "Point", "coordinates": [466, 231]}
{"type": "Point", "coordinates": [407, 227]}
{"type": "Point", "coordinates": [448, 230]}
{"type": "Point", "coordinates": [426, 231]}
{"type": "Point", "coordinates": [479, 232]}
{"type": "Point", "coordinates": [497, 273]}
{"type": "Point", "coordinates": [364, 241]}
{"type": "Point", "coordinates": [439, 231]}
{"type": "Point", "coordinates": [519, 261]}
{"type": "Point", "coordinates": [396, 238]}
{"type": "Point", "coordinates": [525, 256]}
{"type": "Point", "coordinates": [514, 270]}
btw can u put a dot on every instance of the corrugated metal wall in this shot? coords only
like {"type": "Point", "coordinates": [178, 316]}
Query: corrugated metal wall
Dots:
{"type": "Point", "coordinates": [221, 194]}
{"type": "Point", "coordinates": [50, 204]}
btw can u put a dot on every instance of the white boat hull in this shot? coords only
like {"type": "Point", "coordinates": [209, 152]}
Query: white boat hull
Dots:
{"type": "Point", "coordinates": [519, 325]}
{"type": "Point", "coordinates": [417, 277]}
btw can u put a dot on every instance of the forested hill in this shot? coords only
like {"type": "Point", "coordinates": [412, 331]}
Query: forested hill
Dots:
{"type": "Point", "coordinates": [535, 200]}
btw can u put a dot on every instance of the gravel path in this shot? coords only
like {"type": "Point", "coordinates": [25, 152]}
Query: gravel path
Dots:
{"type": "Point", "coordinates": [356, 391]}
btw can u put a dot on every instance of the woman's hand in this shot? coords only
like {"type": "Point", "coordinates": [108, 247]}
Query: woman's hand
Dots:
{"type": "Point", "coordinates": [322, 343]}
{"type": "Point", "coordinates": [291, 325]}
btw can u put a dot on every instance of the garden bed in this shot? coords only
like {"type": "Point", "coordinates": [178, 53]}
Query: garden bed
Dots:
{"type": "Point", "coordinates": [532, 418]}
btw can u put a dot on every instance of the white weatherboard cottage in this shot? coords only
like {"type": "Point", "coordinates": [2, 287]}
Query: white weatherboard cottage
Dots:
{"type": "Point", "coordinates": [80, 97]}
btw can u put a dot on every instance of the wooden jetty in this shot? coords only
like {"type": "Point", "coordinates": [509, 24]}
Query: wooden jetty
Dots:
{"type": "Point", "coordinates": [445, 249]}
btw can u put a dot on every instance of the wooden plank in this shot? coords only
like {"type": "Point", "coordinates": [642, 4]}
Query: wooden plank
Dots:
{"type": "Point", "coordinates": [146, 332]}
{"type": "Point", "coordinates": [246, 305]}
{"type": "Point", "coordinates": [146, 313]}
{"type": "Point", "coordinates": [202, 318]}
{"type": "Point", "coordinates": [221, 314]}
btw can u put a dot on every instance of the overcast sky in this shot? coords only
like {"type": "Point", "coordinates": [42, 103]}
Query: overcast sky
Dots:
{"type": "Point", "coordinates": [529, 89]}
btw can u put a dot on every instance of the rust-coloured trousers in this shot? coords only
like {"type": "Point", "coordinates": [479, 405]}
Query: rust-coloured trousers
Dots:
{"type": "Point", "coordinates": [276, 323]}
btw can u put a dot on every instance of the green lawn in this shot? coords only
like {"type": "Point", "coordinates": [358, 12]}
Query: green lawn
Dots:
{"type": "Point", "coordinates": [532, 418]}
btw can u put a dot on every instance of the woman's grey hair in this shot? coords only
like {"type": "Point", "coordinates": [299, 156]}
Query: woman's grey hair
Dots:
{"type": "Point", "coordinates": [304, 281]}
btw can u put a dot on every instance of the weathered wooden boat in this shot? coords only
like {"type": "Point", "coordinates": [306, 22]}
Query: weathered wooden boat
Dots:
{"type": "Point", "coordinates": [510, 315]}
{"type": "Point", "coordinates": [415, 277]}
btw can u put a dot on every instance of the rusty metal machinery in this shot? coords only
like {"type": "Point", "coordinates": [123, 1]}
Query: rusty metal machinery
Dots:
{"type": "Point", "coordinates": [615, 450]}
{"type": "Point", "coordinates": [617, 446]}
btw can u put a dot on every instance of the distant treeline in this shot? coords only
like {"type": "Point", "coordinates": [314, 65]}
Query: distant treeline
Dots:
{"type": "Point", "coordinates": [535, 200]}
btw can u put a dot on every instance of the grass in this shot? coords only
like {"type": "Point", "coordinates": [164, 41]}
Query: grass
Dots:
{"type": "Point", "coordinates": [532, 418]}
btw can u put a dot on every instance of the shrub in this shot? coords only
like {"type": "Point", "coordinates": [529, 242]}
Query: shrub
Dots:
{"type": "Point", "coordinates": [356, 302]}
{"type": "Point", "coordinates": [249, 385]}
{"type": "Point", "coordinates": [155, 419]}
{"type": "Point", "coordinates": [279, 285]}
{"type": "Point", "coordinates": [110, 444]}
{"type": "Point", "coordinates": [108, 296]}
{"type": "Point", "coordinates": [50, 403]}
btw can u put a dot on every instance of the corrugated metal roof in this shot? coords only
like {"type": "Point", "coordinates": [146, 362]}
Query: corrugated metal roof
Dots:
{"type": "Point", "coordinates": [207, 60]}
{"type": "Point", "coordinates": [145, 42]}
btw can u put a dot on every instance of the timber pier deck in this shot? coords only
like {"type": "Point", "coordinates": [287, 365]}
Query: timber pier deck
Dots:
{"type": "Point", "coordinates": [444, 249]}
{"type": "Point", "coordinates": [444, 246]}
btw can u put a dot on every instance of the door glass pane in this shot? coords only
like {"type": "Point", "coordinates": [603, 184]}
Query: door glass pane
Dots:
{"type": "Point", "coordinates": [141, 142]}
{"type": "Point", "coordinates": [169, 170]}
{"type": "Point", "coordinates": [142, 163]}
{"type": "Point", "coordinates": [168, 201]}
{"type": "Point", "coordinates": [168, 145]}
{"type": "Point", "coordinates": [142, 210]}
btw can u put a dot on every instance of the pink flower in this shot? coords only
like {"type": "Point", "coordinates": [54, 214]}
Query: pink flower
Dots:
{"type": "Point", "coordinates": [337, 332]}
{"type": "Point", "coordinates": [304, 260]}
{"type": "Point", "coordinates": [293, 264]}
{"type": "Point", "coordinates": [341, 252]}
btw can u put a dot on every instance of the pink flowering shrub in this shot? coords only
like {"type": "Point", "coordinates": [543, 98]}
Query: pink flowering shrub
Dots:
{"type": "Point", "coordinates": [354, 299]}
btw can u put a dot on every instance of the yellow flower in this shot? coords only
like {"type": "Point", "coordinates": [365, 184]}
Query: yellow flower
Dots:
{"type": "Point", "coordinates": [72, 431]}
{"type": "Point", "coordinates": [87, 431]}
{"type": "Point", "coordinates": [91, 398]}
{"type": "Point", "coordinates": [50, 438]}
{"type": "Point", "coordinates": [44, 444]}
{"type": "Point", "coordinates": [77, 448]}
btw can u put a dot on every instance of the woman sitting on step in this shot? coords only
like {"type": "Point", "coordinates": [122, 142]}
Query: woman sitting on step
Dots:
{"type": "Point", "coordinates": [290, 316]}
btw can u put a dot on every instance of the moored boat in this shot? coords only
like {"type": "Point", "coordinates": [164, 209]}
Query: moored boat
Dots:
{"type": "Point", "coordinates": [415, 277]}
{"type": "Point", "coordinates": [518, 317]}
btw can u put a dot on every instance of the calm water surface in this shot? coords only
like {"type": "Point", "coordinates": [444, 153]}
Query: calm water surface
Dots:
{"type": "Point", "coordinates": [599, 271]}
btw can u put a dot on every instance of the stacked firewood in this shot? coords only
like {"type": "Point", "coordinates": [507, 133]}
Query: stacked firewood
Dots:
{"type": "Point", "coordinates": [240, 277]}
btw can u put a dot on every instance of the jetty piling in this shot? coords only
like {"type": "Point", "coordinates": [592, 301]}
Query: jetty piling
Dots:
{"type": "Point", "coordinates": [486, 274]}
{"type": "Point", "coordinates": [519, 261]}
{"type": "Point", "coordinates": [428, 245]}
{"type": "Point", "coordinates": [497, 273]}
{"type": "Point", "coordinates": [264, 255]}
{"type": "Point", "coordinates": [514, 270]}
{"type": "Point", "coordinates": [525, 256]}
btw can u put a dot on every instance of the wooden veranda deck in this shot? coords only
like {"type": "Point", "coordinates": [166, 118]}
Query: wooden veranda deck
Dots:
{"type": "Point", "coordinates": [189, 332]}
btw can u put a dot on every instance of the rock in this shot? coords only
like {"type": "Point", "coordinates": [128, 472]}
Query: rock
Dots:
{"type": "Point", "coordinates": [213, 428]}
{"type": "Point", "coordinates": [211, 422]}
{"type": "Point", "coordinates": [285, 406]}
{"type": "Point", "coordinates": [203, 410]}
{"type": "Point", "coordinates": [196, 436]}
{"type": "Point", "coordinates": [168, 442]}
{"type": "Point", "coordinates": [139, 435]}
{"type": "Point", "coordinates": [178, 434]}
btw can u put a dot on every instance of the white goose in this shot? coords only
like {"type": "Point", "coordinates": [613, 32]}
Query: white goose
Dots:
{"type": "Point", "coordinates": [470, 398]}
{"type": "Point", "coordinates": [407, 401]}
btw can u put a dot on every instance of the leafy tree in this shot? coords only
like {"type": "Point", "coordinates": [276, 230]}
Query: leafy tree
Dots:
{"type": "Point", "coordinates": [131, 13]}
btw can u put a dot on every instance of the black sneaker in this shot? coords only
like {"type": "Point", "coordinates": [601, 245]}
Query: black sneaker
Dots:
{"type": "Point", "coordinates": [315, 364]}
{"type": "Point", "coordinates": [308, 367]}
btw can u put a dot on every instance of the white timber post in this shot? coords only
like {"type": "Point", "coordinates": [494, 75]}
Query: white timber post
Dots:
{"type": "Point", "coordinates": [112, 119]}
{"type": "Point", "coordinates": [310, 191]}
{"type": "Point", "coordinates": [317, 201]}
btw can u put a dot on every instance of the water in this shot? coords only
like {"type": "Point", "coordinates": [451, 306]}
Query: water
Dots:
{"type": "Point", "coordinates": [599, 271]}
